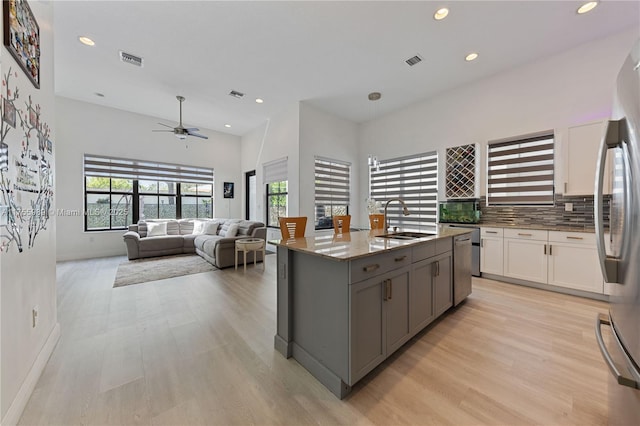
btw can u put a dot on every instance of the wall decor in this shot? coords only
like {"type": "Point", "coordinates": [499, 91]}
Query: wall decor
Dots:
{"type": "Point", "coordinates": [28, 172]}
{"type": "Point", "coordinates": [9, 113]}
{"type": "Point", "coordinates": [22, 37]}
{"type": "Point", "coordinates": [460, 176]}
{"type": "Point", "coordinates": [228, 190]}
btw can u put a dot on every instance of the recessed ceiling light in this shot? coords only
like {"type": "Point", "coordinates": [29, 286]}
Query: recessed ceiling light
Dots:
{"type": "Point", "coordinates": [228, 126]}
{"type": "Point", "coordinates": [86, 41]}
{"type": "Point", "coordinates": [441, 14]}
{"type": "Point", "coordinates": [471, 57]}
{"type": "Point", "coordinates": [259, 100]}
{"type": "Point", "coordinates": [587, 7]}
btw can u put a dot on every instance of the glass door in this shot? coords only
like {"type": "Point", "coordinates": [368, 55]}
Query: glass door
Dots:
{"type": "Point", "coordinates": [251, 211]}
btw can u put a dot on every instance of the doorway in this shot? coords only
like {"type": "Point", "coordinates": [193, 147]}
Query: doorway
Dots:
{"type": "Point", "coordinates": [251, 211]}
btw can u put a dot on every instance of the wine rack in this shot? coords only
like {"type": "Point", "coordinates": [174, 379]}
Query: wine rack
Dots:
{"type": "Point", "coordinates": [460, 180]}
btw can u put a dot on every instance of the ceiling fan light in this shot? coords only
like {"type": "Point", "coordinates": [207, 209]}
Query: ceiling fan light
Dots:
{"type": "Point", "coordinates": [181, 136]}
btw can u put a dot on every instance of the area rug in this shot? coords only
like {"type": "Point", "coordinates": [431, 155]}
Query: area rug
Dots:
{"type": "Point", "coordinates": [160, 268]}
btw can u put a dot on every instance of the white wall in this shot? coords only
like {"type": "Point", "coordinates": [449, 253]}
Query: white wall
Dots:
{"type": "Point", "coordinates": [329, 136]}
{"type": "Point", "coordinates": [277, 138]}
{"type": "Point", "coordinates": [85, 128]}
{"type": "Point", "coordinates": [567, 89]}
{"type": "Point", "coordinates": [28, 278]}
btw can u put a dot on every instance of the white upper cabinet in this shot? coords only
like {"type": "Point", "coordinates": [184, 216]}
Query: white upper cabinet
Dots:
{"type": "Point", "coordinates": [581, 145]}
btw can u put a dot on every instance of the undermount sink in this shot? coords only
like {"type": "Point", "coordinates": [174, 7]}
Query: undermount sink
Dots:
{"type": "Point", "coordinates": [407, 235]}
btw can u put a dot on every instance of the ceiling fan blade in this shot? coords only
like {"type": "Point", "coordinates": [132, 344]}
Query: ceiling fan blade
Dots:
{"type": "Point", "coordinates": [163, 131]}
{"type": "Point", "coordinates": [197, 135]}
{"type": "Point", "coordinates": [165, 125]}
{"type": "Point", "coordinates": [192, 129]}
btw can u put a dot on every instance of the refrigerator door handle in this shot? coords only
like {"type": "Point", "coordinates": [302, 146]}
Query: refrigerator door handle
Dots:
{"type": "Point", "coordinates": [612, 139]}
{"type": "Point", "coordinates": [622, 380]}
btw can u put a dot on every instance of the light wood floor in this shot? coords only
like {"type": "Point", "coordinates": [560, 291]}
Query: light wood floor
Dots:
{"type": "Point", "coordinates": [199, 350]}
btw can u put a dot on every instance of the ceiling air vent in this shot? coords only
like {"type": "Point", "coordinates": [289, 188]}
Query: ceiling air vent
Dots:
{"type": "Point", "coordinates": [412, 61]}
{"type": "Point", "coordinates": [130, 59]}
{"type": "Point", "coordinates": [236, 94]}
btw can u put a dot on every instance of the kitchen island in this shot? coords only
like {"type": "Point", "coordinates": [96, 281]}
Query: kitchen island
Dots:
{"type": "Point", "coordinates": [345, 302]}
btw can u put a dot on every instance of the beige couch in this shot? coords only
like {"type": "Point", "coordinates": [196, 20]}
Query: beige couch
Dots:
{"type": "Point", "coordinates": [179, 238]}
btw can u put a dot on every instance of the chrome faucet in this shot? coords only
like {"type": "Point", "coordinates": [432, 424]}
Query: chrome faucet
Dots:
{"type": "Point", "coordinates": [405, 211]}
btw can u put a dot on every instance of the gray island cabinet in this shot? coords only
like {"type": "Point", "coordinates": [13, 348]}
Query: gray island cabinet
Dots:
{"type": "Point", "coordinates": [346, 302]}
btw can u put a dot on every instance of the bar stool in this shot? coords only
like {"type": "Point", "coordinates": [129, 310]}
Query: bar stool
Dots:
{"type": "Point", "coordinates": [376, 221]}
{"type": "Point", "coordinates": [341, 224]}
{"type": "Point", "coordinates": [292, 227]}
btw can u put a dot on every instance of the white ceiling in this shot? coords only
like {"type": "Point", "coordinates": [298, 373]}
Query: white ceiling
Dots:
{"type": "Point", "coordinates": [331, 54]}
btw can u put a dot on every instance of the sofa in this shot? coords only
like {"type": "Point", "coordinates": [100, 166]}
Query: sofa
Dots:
{"type": "Point", "coordinates": [212, 239]}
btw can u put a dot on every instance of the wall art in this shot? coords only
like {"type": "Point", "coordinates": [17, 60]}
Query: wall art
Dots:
{"type": "Point", "coordinates": [22, 37]}
{"type": "Point", "coordinates": [228, 190]}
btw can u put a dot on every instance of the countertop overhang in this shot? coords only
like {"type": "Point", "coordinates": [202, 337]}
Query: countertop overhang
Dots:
{"type": "Point", "coordinates": [353, 245]}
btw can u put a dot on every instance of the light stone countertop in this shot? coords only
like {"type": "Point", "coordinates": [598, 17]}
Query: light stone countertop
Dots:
{"type": "Point", "coordinates": [357, 244]}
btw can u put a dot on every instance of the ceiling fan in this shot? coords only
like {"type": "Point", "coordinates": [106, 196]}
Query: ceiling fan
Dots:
{"type": "Point", "coordinates": [180, 131]}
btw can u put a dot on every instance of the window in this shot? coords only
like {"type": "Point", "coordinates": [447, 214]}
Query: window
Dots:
{"type": "Point", "coordinates": [196, 199]}
{"type": "Point", "coordinates": [119, 192]}
{"type": "Point", "coordinates": [108, 202]}
{"type": "Point", "coordinates": [332, 180]}
{"type": "Point", "coordinates": [414, 179]}
{"type": "Point", "coordinates": [276, 202]}
{"type": "Point", "coordinates": [276, 179]}
{"type": "Point", "coordinates": [521, 171]}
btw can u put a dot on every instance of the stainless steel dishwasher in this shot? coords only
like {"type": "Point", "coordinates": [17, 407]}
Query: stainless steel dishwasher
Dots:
{"type": "Point", "coordinates": [461, 268]}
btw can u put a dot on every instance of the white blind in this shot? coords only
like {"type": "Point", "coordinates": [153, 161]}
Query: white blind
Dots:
{"type": "Point", "coordinates": [332, 182]}
{"type": "Point", "coordinates": [275, 171]}
{"type": "Point", "coordinates": [414, 179]}
{"type": "Point", "coordinates": [521, 171]}
{"type": "Point", "coordinates": [121, 168]}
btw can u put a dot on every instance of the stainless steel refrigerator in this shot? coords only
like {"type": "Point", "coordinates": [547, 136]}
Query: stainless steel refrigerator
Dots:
{"type": "Point", "coordinates": [619, 246]}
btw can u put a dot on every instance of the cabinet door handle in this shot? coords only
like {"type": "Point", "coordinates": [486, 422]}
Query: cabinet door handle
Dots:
{"type": "Point", "coordinates": [385, 294]}
{"type": "Point", "coordinates": [545, 249]}
{"type": "Point", "coordinates": [370, 268]}
{"type": "Point", "coordinates": [550, 251]}
{"type": "Point", "coordinates": [390, 289]}
{"type": "Point", "coordinates": [565, 187]}
{"type": "Point", "coordinates": [574, 238]}
{"type": "Point", "coordinates": [436, 269]}
{"type": "Point", "coordinates": [481, 242]}
{"type": "Point", "coordinates": [401, 258]}
{"type": "Point", "coordinates": [491, 232]}
{"type": "Point", "coordinates": [524, 235]}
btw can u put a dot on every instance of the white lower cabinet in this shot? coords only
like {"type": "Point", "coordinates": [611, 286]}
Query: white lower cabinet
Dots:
{"type": "Point", "coordinates": [525, 255]}
{"type": "Point", "coordinates": [573, 261]}
{"type": "Point", "coordinates": [491, 251]}
{"type": "Point", "coordinates": [563, 259]}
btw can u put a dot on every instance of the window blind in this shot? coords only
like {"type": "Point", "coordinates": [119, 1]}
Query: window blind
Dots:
{"type": "Point", "coordinates": [121, 168]}
{"type": "Point", "coordinates": [275, 171]}
{"type": "Point", "coordinates": [414, 179]}
{"type": "Point", "coordinates": [521, 171]}
{"type": "Point", "coordinates": [332, 182]}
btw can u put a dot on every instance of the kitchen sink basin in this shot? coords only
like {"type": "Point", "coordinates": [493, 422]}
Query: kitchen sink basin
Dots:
{"type": "Point", "coordinates": [407, 235]}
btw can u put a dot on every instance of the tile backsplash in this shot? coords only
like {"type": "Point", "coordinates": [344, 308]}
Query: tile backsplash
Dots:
{"type": "Point", "coordinates": [581, 218]}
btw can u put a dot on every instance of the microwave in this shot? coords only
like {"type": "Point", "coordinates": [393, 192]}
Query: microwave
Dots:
{"type": "Point", "coordinates": [459, 211]}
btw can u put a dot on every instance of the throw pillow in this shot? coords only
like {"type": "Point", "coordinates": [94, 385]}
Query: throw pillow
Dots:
{"type": "Point", "coordinates": [198, 227]}
{"type": "Point", "coordinates": [156, 229]}
{"type": "Point", "coordinates": [211, 228]}
{"type": "Point", "coordinates": [232, 231]}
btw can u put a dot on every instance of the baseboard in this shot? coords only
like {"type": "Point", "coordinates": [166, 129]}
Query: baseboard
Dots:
{"type": "Point", "coordinates": [548, 287]}
{"type": "Point", "coordinates": [24, 393]}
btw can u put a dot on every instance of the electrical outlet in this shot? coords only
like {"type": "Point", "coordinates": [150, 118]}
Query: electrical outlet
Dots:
{"type": "Point", "coordinates": [34, 316]}
{"type": "Point", "coordinates": [568, 207]}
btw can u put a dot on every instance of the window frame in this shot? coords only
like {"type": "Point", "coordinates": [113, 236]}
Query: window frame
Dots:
{"type": "Point", "coordinates": [523, 168]}
{"type": "Point", "coordinates": [413, 178]}
{"type": "Point", "coordinates": [135, 171]}
{"type": "Point", "coordinates": [269, 194]}
{"type": "Point", "coordinates": [332, 183]}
